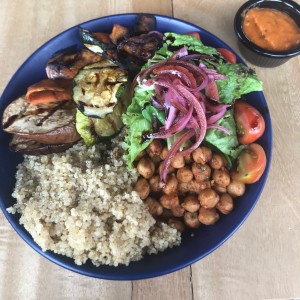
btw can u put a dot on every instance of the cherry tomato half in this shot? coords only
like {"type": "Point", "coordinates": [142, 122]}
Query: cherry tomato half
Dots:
{"type": "Point", "coordinates": [250, 164]}
{"type": "Point", "coordinates": [249, 122]}
{"type": "Point", "coordinates": [227, 54]}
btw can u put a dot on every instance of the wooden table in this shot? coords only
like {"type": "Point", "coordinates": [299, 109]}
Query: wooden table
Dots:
{"type": "Point", "coordinates": [261, 260]}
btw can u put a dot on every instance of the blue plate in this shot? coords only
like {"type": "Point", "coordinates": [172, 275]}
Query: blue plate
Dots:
{"type": "Point", "coordinates": [205, 240]}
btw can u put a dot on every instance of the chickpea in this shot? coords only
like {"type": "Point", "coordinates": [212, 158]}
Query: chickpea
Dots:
{"type": "Point", "coordinates": [164, 153]}
{"type": "Point", "coordinates": [177, 224]}
{"type": "Point", "coordinates": [154, 207]}
{"type": "Point", "coordinates": [156, 160]}
{"type": "Point", "coordinates": [208, 216]}
{"type": "Point", "coordinates": [169, 201]}
{"type": "Point", "coordinates": [225, 205]}
{"type": "Point", "coordinates": [156, 184]}
{"type": "Point", "coordinates": [146, 167]}
{"type": "Point", "coordinates": [201, 172]}
{"type": "Point", "coordinates": [191, 219]}
{"type": "Point", "coordinates": [208, 198]}
{"type": "Point", "coordinates": [184, 174]}
{"type": "Point", "coordinates": [154, 149]}
{"type": "Point", "coordinates": [219, 189]}
{"type": "Point", "coordinates": [198, 156]}
{"type": "Point", "coordinates": [142, 187]}
{"type": "Point", "coordinates": [236, 188]}
{"type": "Point", "coordinates": [191, 203]}
{"type": "Point", "coordinates": [160, 167]}
{"type": "Point", "coordinates": [188, 158]}
{"type": "Point", "coordinates": [178, 162]}
{"type": "Point", "coordinates": [221, 177]}
{"type": "Point", "coordinates": [192, 186]}
{"type": "Point", "coordinates": [217, 161]}
{"type": "Point", "coordinates": [207, 154]}
{"type": "Point", "coordinates": [177, 211]}
{"type": "Point", "coordinates": [171, 184]}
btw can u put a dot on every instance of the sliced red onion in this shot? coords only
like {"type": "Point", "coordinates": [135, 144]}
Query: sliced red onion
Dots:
{"type": "Point", "coordinates": [157, 33]}
{"type": "Point", "coordinates": [214, 106]}
{"type": "Point", "coordinates": [214, 118]}
{"type": "Point", "coordinates": [170, 117]}
{"type": "Point", "coordinates": [156, 104]}
{"type": "Point", "coordinates": [177, 127]}
{"type": "Point", "coordinates": [195, 56]}
{"type": "Point", "coordinates": [180, 53]}
{"type": "Point", "coordinates": [215, 126]}
{"type": "Point", "coordinates": [173, 151]}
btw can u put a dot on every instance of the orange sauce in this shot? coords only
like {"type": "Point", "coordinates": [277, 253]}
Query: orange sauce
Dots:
{"type": "Point", "coordinates": [271, 29]}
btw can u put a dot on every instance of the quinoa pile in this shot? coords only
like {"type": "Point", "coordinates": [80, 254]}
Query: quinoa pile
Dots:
{"type": "Point", "coordinates": [81, 204]}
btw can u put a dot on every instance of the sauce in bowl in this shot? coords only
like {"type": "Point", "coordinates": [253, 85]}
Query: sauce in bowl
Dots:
{"type": "Point", "coordinates": [271, 29]}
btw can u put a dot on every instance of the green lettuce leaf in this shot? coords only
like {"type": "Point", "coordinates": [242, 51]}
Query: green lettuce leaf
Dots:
{"type": "Point", "coordinates": [239, 80]}
{"type": "Point", "coordinates": [139, 119]}
{"type": "Point", "coordinates": [226, 144]}
{"type": "Point", "coordinates": [190, 42]}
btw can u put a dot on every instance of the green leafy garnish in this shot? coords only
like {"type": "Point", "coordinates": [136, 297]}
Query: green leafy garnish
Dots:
{"type": "Point", "coordinates": [226, 144]}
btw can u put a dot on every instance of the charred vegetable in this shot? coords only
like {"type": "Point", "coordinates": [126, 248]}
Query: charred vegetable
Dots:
{"type": "Point", "coordinates": [51, 123]}
{"type": "Point", "coordinates": [66, 65]}
{"type": "Point", "coordinates": [95, 89]}
{"type": "Point", "coordinates": [92, 130]}
{"type": "Point", "coordinates": [27, 146]}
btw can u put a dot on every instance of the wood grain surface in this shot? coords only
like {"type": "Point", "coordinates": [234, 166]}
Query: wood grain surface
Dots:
{"type": "Point", "coordinates": [260, 261]}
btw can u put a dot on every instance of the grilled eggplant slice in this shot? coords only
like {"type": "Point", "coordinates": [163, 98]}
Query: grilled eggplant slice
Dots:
{"type": "Point", "coordinates": [66, 65]}
{"type": "Point", "coordinates": [95, 90]}
{"type": "Point", "coordinates": [145, 23]}
{"type": "Point", "coordinates": [52, 123]}
{"type": "Point", "coordinates": [27, 146]}
{"type": "Point", "coordinates": [141, 47]}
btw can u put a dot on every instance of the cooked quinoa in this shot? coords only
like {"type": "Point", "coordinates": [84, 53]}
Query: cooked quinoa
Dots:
{"type": "Point", "coordinates": [81, 204]}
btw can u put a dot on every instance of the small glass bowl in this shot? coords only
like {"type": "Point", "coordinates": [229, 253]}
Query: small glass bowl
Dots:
{"type": "Point", "coordinates": [255, 54]}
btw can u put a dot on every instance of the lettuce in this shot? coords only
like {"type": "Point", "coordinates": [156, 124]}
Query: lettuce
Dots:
{"type": "Point", "coordinates": [239, 80]}
{"type": "Point", "coordinates": [139, 119]}
{"type": "Point", "coordinates": [190, 42]}
{"type": "Point", "coordinates": [226, 144]}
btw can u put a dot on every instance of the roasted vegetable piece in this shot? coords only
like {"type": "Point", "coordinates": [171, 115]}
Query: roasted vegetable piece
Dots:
{"type": "Point", "coordinates": [118, 32]}
{"type": "Point", "coordinates": [140, 47]}
{"type": "Point", "coordinates": [27, 146]}
{"type": "Point", "coordinates": [52, 123]}
{"type": "Point", "coordinates": [145, 23]}
{"type": "Point", "coordinates": [48, 90]}
{"type": "Point", "coordinates": [91, 41]}
{"type": "Point", "coordinates": [66, 65]}
{"type": "Point", "coordinates": [95, 90]}
{"type": "Point", "coordinates": [93, 130]}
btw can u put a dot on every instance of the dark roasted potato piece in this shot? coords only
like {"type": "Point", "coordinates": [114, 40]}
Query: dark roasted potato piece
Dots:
{"type": "Point", "coordinates": [118, 32]}
{"type": "Point", "coordinates": [145, 23]}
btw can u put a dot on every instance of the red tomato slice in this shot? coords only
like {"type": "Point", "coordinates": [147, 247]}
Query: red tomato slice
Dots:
{"type": "Point", "coordinates": [250, 164]}
{"type": "Point", "coordinates": [194, 34]}
{"type": "Point", "coordinates": [227, 54]}
{"type": "Point", "coordinates": [249, 122]}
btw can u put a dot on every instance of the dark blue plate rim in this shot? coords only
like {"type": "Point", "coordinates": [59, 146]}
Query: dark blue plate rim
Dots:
{"type": "Point", "coordinates": [53, 258]}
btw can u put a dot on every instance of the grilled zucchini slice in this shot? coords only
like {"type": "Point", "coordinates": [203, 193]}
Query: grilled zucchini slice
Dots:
{"type": "Point", "coordinates": [95, 89]}
{"type": "Point", "coordinates": [94, 130]}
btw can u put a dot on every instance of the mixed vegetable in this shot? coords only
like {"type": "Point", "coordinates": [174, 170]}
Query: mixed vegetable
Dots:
{"type": "Point", "coordinates": [189, 132]}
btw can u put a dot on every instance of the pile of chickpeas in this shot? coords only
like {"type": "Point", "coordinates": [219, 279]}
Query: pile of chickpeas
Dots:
{"type": "Point", "coordinates": [198, 186]}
